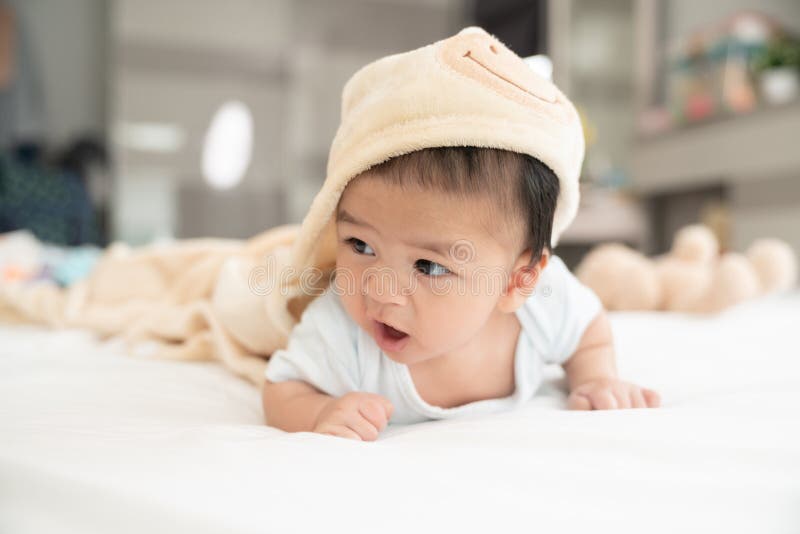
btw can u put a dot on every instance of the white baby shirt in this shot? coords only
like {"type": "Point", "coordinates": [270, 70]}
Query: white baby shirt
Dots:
{"type": "Point", "coordinates": [328, 350]}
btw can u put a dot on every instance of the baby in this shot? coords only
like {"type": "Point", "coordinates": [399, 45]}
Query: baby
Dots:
{"type": "Point", "coordinates": [446, 299]}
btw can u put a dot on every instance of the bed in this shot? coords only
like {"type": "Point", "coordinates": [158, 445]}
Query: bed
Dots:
{"type": "Point", "coordinates": [93, 440]}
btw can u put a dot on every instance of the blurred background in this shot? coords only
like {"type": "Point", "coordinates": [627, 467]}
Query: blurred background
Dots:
{"type": "Point", "coordinates": [151, 120]}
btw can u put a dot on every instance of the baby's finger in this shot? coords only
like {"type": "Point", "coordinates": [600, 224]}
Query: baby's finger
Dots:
{"type": "Point", "coordinates": [653, 399]}
{"type": "Point", "coordinates": [622, 396]}
{"type": "Point", "coordinates": [388, 408]}
{"type": "Point", "coordinates": [603, 400]}
{"type": "Point", "coordinates": [340, 431]}
{"type": "Point", "coordinates": [375, 413]}
{"type": "Point", "coordinates": [578, 402]}
{"type": "Point", "coordinates": [357, 423]}
{"type": "Point", "coordinates": [637, 398]}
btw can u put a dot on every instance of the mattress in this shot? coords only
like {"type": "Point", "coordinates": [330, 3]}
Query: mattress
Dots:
{"type": "Point", "coordinates": [93, 440]}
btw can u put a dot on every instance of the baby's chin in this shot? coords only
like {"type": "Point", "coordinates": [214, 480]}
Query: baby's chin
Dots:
{"type": "Point", "coordinates": [406, 358]}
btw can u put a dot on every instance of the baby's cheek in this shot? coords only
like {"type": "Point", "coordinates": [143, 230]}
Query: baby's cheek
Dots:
{"type": "Point", "coordinates": [347, 279]}
{"type": "Point", "coordinates": [353, 306]}
{"type": "Point", "coordinates": [487, 283]}
{"type": "Point", "coordinates": [446, 320]}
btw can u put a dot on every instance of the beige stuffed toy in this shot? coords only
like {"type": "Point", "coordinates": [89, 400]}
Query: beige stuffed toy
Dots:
{"type": "Point", "coordinates": [692, 277]}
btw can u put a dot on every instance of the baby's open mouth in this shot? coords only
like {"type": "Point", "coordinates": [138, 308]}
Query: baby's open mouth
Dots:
{"type": "Point", "coordinates": [393, 332]}
{"type": "Point", "coordinates": [390, 338]}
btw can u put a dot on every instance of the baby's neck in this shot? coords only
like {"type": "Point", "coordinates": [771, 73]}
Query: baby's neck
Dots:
{"type": "Point", "coordinates": [481, 369]}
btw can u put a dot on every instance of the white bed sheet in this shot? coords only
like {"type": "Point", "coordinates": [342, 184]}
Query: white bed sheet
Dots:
{"type": "Point", "coordinates": [92, 440]}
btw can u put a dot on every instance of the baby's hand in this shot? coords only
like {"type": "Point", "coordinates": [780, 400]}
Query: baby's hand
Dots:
{"type": "Point", "coordinates": [357, 415]}
{"type": "Point", "coordinates": [610, 394]}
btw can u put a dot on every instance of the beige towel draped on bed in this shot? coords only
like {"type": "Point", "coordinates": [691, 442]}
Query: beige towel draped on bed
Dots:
{"type": "Point", "coordinates": [201, 299]}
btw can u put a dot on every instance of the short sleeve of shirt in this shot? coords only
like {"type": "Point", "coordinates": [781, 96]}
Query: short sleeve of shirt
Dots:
{"type": "Point", "coordinates": [321, 350]}
{"type": "Point", "coordinates": [558, 312]}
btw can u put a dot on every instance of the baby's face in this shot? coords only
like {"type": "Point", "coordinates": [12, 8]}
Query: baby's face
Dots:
{"type": "Point", "coordinates": [422, 262]}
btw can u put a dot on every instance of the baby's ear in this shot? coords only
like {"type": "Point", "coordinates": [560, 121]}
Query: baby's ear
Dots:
{"type": "Point", "coordinates": [526, 275]}
{"type": "Point", "coordinates": [523, 280]}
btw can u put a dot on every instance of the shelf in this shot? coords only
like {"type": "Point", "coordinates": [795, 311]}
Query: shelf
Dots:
{"type": "Point", "coordinates": [606, 216]}
{"type": "Point", "coordinates": [750, 147]}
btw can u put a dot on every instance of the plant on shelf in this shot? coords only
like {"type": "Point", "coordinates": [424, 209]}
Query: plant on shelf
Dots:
{"type": "Point", "coordinates": [778, 69]}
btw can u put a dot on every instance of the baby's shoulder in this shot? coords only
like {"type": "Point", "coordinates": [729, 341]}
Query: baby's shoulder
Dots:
{"type": "Point", "coordinates": [322, 349]}
{"type": "Point", "coordinates": [326, 307]}
{"type": "Point", "coordinates": [556, 271]}
{"type": "Point", "coordinates": [550, 290]}
{"type": "Point", "coordinates": [553, 299]}
{"type": "Point", "coordinates": [327, 316]}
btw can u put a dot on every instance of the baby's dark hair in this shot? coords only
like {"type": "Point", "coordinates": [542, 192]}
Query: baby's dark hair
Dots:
{"type": "Point", "coordinates": [519, 186]}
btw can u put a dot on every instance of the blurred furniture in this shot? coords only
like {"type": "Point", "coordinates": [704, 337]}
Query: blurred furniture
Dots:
{"type": "Point", "coordinates": [746, 148]}
{"type": "Point", "coordinates": [520, 24]}
{"type": "Point", "coordinates": [730, 143]}
{"type": "Point", "coordinates": [51, 202]}
{"type": "Point", "coordinates": [234, 213]}
{"type": "Point", "coordinates": [590, 44]}
{"type": "Point", "coordinates": [608, 216]}
{"type": "Point", "coordinates": [604, 215]}
{"type": "Point", "coordinates": [743, 164]}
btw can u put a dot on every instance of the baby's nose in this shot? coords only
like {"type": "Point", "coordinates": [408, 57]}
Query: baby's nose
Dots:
{"type": "Point", "coordinates": [385, 286]}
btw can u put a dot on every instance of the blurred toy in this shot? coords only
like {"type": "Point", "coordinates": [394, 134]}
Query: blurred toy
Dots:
{"type": "Point", "coordinates": [24, 258]}
{"type": "Point", "coordinates": [20, 255]}
{"type": "Point", "coordinates": [692, 277]}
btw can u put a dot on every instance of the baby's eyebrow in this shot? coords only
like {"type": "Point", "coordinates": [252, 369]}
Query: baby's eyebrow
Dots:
{"type": "Point", "coordinates": [344, 216]}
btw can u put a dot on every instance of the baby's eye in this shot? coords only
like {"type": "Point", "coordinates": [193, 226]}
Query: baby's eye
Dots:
{"type": "Point", "coordinates": [431, 268]}
{"type": "Point", "coordinates": [359, 246]}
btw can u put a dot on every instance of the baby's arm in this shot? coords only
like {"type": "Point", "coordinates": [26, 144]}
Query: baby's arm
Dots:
{"type": "Point", "coordinates": [592, 374]}
{"type": "Point", "coordinates": [295, 406]}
